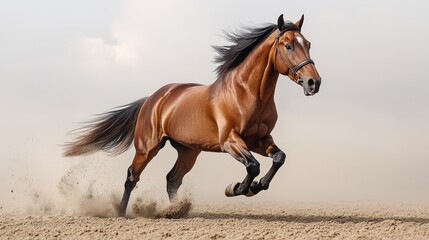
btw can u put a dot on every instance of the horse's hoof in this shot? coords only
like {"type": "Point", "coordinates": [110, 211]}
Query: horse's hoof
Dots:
{"type": "Point", "coordinates": [229, 191]}
{"type": "Point", "coordinates": [253, 186]}
{"type": "Point", "coordinates": [120, 211]}
{"type": "Point", "coordinates": [250, 193]}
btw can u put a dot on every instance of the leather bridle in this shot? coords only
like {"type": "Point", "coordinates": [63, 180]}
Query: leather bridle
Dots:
{"type": "Point", "coordinates": [297, 67]}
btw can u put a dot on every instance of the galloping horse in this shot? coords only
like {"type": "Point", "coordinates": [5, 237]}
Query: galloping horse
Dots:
{"type": "Point", "coordinates": [235, 114]}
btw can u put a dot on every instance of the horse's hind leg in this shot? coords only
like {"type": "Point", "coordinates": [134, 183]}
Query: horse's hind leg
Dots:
{"type": "Point", "coordinates": [185, 161]}
{"type": "Point", "coordinates": [141, 159]}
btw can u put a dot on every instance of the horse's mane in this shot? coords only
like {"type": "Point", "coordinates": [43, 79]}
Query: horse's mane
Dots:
{"type": "Point", "coordinates": [243, 42]}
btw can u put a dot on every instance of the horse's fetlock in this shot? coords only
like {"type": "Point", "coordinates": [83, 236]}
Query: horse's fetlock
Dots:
{"type": "Point", "coordinates": [265, 184]}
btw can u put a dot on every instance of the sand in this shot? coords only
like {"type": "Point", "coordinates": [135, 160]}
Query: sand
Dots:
{"type": "Point", "coordinates": [228, 221]}
{"type": "Point", "coordinates": [80, 207]}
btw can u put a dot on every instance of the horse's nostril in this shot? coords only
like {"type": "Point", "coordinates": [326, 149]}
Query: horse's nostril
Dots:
{"type": "Point", "coordinates": [311, 85]}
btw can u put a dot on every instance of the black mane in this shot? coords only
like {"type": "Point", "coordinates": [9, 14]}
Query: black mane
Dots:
{"type": "Point", "coordinates": [244, 41]}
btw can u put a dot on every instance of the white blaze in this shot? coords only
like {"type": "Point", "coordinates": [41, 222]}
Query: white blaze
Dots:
{"type": "Point", "coordinates": [300, 40]}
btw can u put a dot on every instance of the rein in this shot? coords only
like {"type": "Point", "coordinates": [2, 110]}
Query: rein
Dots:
{"type": "Point", "coordinates": [299, 65]}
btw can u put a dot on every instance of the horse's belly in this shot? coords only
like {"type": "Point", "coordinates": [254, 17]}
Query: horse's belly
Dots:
{"type": "Point", "coordinates": [195, 134]}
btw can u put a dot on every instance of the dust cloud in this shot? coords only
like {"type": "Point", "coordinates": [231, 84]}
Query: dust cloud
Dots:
{"type": "Point", "coordinates": [77, 196]}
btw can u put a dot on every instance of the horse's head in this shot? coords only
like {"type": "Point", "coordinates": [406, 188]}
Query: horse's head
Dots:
{"type": "Point", "coordinates": [292, 57]}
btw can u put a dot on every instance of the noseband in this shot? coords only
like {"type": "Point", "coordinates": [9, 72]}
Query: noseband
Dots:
{"type": "Point", "coordinates": [299, 65]}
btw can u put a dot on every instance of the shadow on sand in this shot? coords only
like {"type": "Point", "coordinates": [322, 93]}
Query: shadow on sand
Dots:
{"type": "Point", "coordinates": [307, 218]}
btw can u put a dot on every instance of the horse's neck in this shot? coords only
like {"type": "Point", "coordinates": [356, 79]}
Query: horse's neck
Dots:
{"type": "Point", "coordinates": [256, 74]}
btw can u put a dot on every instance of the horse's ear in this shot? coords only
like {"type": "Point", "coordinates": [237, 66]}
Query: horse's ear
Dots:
{"type": "Point", "coordinates": [280, 22]}
{"type": "Point", "coordinates": [300, 22]}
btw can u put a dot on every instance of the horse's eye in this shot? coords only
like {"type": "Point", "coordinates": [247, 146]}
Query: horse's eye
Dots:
{"type": "Point", "coordinates": [288, 47]}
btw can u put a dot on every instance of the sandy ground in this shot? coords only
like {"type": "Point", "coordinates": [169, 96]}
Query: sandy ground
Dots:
{"type": "Point", "coordinates": [226, 221]}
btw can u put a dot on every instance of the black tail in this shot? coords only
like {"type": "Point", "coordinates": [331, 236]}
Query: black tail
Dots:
{"type": "Point", "coordinates": [113, 130]}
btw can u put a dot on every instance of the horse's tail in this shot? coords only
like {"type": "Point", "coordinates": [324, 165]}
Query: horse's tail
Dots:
{"type": "Point", "coordinates": [112, 131]}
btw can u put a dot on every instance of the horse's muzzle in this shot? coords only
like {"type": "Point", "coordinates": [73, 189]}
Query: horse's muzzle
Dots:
{"type": "Point", "coordinates": [310, 85]}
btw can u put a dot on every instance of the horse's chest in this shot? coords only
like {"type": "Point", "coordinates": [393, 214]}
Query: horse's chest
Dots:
{"type": "Point", "coordinates": [257, 130]}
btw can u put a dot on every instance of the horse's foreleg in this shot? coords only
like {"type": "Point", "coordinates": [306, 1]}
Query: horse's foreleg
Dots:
{"type": "Point", "coordinates": [185, 161]}
{"type": "Point", "coordinates": [235, 146]}
{"type": "Point", "coordinates": [278, 160]}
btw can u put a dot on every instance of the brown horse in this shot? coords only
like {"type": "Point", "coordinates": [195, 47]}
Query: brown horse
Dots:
{"type": "Point", "coordinates": [235, 114]}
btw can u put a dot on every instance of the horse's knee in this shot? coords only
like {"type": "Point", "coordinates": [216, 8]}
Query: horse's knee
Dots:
{"type": "Point", "coordinates": [279, 159]}
{"type": "Point", "coordinates": [253, 168]}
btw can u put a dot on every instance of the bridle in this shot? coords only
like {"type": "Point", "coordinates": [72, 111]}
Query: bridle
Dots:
{"type": "Point", "coordinates": [299, 65]}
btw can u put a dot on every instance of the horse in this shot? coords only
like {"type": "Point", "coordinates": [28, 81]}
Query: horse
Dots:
{"type": "Point", "coordinates": [235, 114]}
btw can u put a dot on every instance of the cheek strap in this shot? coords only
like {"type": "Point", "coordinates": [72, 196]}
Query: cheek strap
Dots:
{"type": "Point", "coordinates": [299, 65]}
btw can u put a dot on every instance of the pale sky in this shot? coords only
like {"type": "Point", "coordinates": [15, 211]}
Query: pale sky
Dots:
{"type": "Point", "coordinates": [364, 136]}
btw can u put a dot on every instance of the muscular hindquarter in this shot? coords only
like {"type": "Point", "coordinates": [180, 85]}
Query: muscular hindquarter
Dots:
{"type": "Point", "coordinates": [181, 112]}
